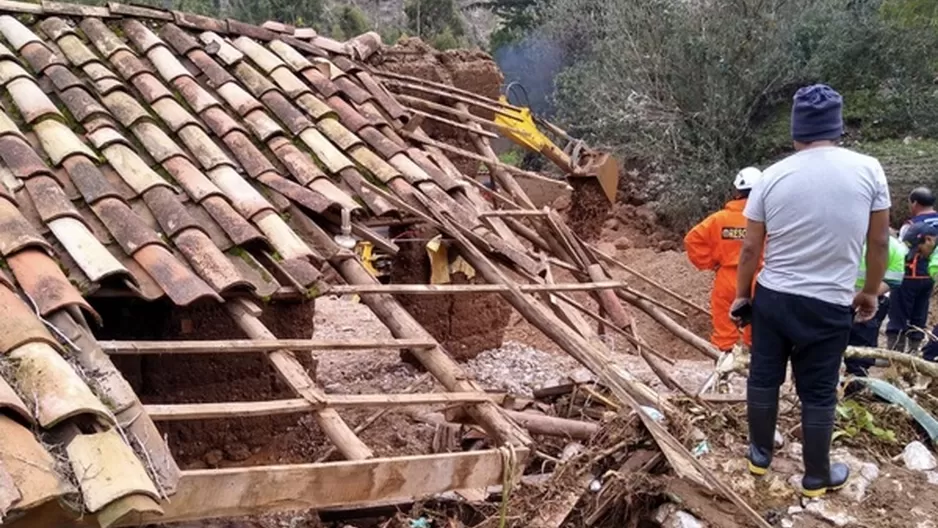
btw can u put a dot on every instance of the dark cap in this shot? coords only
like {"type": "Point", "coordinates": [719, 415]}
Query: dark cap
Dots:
{"type": "Point", "coordinates": [922, 196]}
{"type": "Point", "coordinates": [917, 232]}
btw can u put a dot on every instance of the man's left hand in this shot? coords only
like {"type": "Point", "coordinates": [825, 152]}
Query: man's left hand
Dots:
{"type": "Point", "coordinates": [865, 305]}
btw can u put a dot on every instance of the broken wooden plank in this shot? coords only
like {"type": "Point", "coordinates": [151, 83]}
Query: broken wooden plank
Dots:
{"type": "Point", "coordinates": [443, 289]}
{"type": "Point", "coordinates": [238, 492]}
{"type": "Point", "coordinates": [210, 411]}
{"type": "Point", "coordinates": [511, 213]}
{"type": "Point", "coordinates": [242, 346]}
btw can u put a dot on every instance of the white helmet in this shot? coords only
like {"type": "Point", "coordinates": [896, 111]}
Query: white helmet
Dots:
{"type": "Point", "coordinates": [747, 178]}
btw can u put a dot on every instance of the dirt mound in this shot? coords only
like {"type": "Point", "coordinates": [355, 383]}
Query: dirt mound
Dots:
{"type": "Point", "coordinates": [472, 70]}
{"type": "Point", "coordinates": [465, 324]}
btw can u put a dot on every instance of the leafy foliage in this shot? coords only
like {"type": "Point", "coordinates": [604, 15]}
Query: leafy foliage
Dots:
{"type": "Point", "coordinates": [427, 18]}
{"type": "Point", "coordinates": [350, 22]}
{"type": "Point", "coordinates": [854, 419]}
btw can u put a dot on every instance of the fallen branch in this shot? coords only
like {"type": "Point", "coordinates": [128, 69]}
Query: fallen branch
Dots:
{"type": "Point", "coordinates": [914, 362]}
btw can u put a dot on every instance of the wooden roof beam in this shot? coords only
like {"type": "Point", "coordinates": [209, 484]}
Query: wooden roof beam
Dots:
{"type": "Point", "coordinates": [241, 346]}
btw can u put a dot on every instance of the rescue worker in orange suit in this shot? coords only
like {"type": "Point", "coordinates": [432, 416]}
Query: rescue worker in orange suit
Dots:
{"type": "Point", "coordinates": [714, 244]}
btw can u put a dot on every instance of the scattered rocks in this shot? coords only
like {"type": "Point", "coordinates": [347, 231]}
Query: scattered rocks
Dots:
{"type": "Point", "coordinates": [862, 475]}
{"type": "Point", "coordinates": [669, 516]}
{"type": "Point", "coordinates": [519, 368]}
{"type": "Point", "coordinates": [932, 477]}
{"type": "Point", "coordinates": [607, 248]}
{"type": "Point", "coordinates": [833, 514]}
{"type": "Point", "coordinates": [917, 457]}
{"type": "Point", "coordinates": [237, 452]}
{"type": "Point", "coordinates": [214, 457]}
{"type": "Point", "coordinates": [622, 243]}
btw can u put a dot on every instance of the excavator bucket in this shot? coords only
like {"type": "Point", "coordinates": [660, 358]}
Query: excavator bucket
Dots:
{"type": "Point", "coordinates": [518, 124]}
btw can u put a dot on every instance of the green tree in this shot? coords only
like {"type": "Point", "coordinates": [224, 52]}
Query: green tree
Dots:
{"type": "Point", "coordinates": [352, 21]}
{"type": "Point", "coordinates": [428, 18]}
{"type": "Point", "coordinates": [516, 18]}
{"type": "Point", "coordinates": [308, 13]}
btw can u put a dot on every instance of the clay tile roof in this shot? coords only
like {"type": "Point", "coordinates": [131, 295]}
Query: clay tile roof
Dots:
{"type": "Point", "coordinates": [140, 151]}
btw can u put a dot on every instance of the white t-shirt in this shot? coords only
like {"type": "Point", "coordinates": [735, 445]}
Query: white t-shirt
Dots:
{"type": "Point", "coordinates": [816, 208]}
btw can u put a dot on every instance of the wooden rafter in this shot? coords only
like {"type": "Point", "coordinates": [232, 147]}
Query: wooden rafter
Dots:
{"type": "Point", "coordinates": [237, 492]}
{"type": "Point", "coordinates": [442, 289]}
{"type": "Point", "coordinates": [206, 411]}
{"type": "Point", "coordinates": [240, 346]}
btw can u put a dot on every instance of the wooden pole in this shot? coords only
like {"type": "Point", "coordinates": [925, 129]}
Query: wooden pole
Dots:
{"type": "Point", "coordinates": [242, 346]}
{"type": "Point", "coordinates": [449, 289]}
{"type": "Point", "coordinates": [671, 325]}
{"type": "Point", "coordinates": [293, 373]}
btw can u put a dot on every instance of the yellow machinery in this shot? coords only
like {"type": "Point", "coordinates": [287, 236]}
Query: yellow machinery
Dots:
{"type": "Point", "coordinates": [577, 160]}
{"type": "Point", "coordinates": [377, 265]}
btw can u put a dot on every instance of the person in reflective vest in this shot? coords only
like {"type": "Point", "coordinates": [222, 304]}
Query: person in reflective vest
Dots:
{"type": "Point", "coordinates": [908, 304]}
{"type": "Point", "coordinates": [921, 238]}
{"type": "Point", "coordinates": [714, 244]}
{"type": "Point", "coordinates": [866, 333]}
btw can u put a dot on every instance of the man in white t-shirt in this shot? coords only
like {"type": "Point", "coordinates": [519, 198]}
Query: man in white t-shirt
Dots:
{"type": "Point", "coordinates": [812, 213]}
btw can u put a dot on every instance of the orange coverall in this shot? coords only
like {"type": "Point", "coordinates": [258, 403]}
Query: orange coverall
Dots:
{"type": "Point", "coordinates": [714, 244]}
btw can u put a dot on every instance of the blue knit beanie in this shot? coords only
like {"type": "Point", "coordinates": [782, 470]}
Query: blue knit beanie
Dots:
{"type": "Point", "coordinates": [816, 114]}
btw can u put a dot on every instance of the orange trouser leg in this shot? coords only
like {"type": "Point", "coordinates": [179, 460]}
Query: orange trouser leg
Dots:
{"type": "Point", "coordinates": [725, 332]}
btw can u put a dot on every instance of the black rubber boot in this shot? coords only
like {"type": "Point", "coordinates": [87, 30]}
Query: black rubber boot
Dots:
{"type": "Point", "coordinates": [914, 345]}
{"type": "Point", "coordinates": [820, 476]}
{"type": "Point", "coordinates": [762, 412]}
{"type": "Point", "coordinates": [895, 342]}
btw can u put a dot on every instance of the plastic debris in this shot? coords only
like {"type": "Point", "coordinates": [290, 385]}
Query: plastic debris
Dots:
{"type": "Point", "coordinates": [701, 449]}
{"type": "Point", "coordinates": [655, 414]}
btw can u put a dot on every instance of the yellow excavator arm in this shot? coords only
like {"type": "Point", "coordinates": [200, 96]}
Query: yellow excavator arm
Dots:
{"type": "Point", "coordinates": [518, 124]}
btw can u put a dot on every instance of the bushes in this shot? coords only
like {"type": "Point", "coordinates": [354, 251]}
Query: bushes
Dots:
{"type": "Point", "coordinates": [699, 89]}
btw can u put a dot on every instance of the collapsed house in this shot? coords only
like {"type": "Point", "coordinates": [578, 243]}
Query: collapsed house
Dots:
{"type": "Point", "coordinates": [216, 169]}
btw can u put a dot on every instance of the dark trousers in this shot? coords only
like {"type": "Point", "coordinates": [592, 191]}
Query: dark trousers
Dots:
{"type": "Point", "coordinates": [908, 306]}
{"type": "Point", "coordinates": [866, 334]}
{"type": "Point", "coordinates": [811, 333]}
{"type": "Point", "coordinates": [930, 350]}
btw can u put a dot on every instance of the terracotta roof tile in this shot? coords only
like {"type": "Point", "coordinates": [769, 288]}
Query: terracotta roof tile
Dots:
{"type": "Point", "coordinates": [264, 58]}
{"type": "Point", "coordinates": [204, 23]}
{"type": "Point", "coordinates": [167, 64]}
{"type": "Point", "coordinates": [235, 226]}
{"type": "Point", "coordinates": [289, 83]}
{"type": "Point", "coordinates": [339, 135]}
{"type": "Point", "coordinates": [345, 65]}
{"type": "Point", "coordinates": [9, 401]}
{"type": "Point", "coordinates": [196, 184]}
{"type": "Point", "coordinates": [103, 39]}
{"type": "Point", "coordinates": [133, 170]}
{"type": "Point", "coordinates": [376, 166]}
{"type": "Point", "coordinates": [90, 182]}
{"type": "Point", "coordinates": [242, 195]}
{"type": "Point", "coordinates": [143, 39]}
{"type": "Point", "coordinates": [293, 58]}
{"type": "Point", "coordinates": [16, 233]}
{"type": "Point", "coordinates": [304, 46]}
{"type": "Point", "coordinates": [42, 279]}
{"type": "Point", "coordinates": [128, 65]}
{"type": "Point", "coordinates": [217, 75]}
{"type": "Point", "coordinates": [288, 114]}
{"type": "Point", "coordinates": [199, 99]}
{"type": "Point", "coordinates": [40, 57]}
{"type": "Point", "coordinates": [75, 51]}
{"type": "Point", "coordinates": [16, 33]}
{"type": "Point", "coordinates": [206, 151]}
{"type": "Point", "coordinates": [94, 224]}
{"type": "Point", "coordinates": [19, 325]}
{"type": "Point", "coordinates": [169, 211]}
{"type": "Point", "coordinates": [238, 99]}
{"type": "Point", "coordinates": [301, 270]}
{"type": "Point", "coordinates": [384, 98]}
{"type": "Point", "coordinates": [50, 199]}
{"type": "Point", "coordinates": [331, 157]}
{"type": "Point", "coordinates": [181, 285]}
{"type": "Point", "coordinates": [250, 157]}
{"type": "Point", "coordinates": [208, 224]}
{"type": "Point", "coordinates": [333, 193]}
{"type": "Point", "coordinates": [127, 228]}
{"type": "Point", "coordinates": [140, 209]}
{"type": "Point", "coordinates": [31, 467]}
{"type": "Point", "coordinates": [380, 142]}
{"type": "Point", "coordinates": [173, 114]}
{"type": "Point", "coordinates": [107, 469]}
{"type": "Point", "coordinates": [254, 272]}
{"type": "Point", "coordinates": [126, 192]}
{"type": "Point", "coordinates": [209, 262]}
{"type": "Point", "coordinates": [8, 182]}
{"type": "Point", "coordinates": [305, 33]}
{"type": "Point", "coordinates": [329, 45]}
{"type": "Point", "coordinates": [296, 192]}
{"type": "Point", "coordinates": [59, 142]}
{"type": "Point", "coordinates": [32, 103]}
{"type": "Point", "coordinates": [321, 82]}
{"type": "Point", "coordinates": [118, 8]}
{"type": "Point", "coordinates": [424, 161]}
{"type": "Point", "coordinates": [105, 136]}
{"type": "Point", "coordinates": [21, 158]}
{"type": "Point", "coordinates": [125, 108]}
{"type": "Point", "coordinates": [297, 162]}
{"type": "Point", "coordinates": [281, 237]}
{"type": "Point", "coordinates": [86, 250]}
{"type": "Point", "coordinates": [313, 106]}
{"type": "Point", "coordinates": [356, 93]}
{"type": "Point", "coordinates": [349, 116]}
{"type": "Point", "coordinates": [27, 208]}
{"type": "Point", "coordinates": [10, 70]}
{"type": "Point", "coordinates": [220, 122]}
{"type": "Point", "coordinates": [250, 30]}
{"type": "Point", "coordinates": [151, 88]}
{"type": "Point", "coordinates": [7, 126]}
{"type": "Point", "coordinates": [216, 45]}
{"type": "Point", "coordinates": [63, 78]}
{"type": "Point", "coordinates": [55, 27]}
{"type": "Point", "coordinates": [156, 142]}
{"type": "Point", "coordinates": [278, 27]}
{"type": "Point", "coordinates": [262, 125]}
{"type": "Point", "coordinates": [81, 104]}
